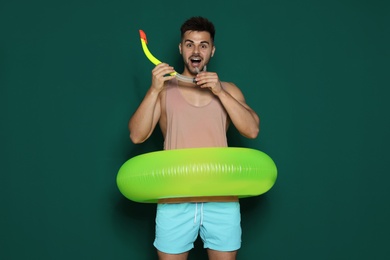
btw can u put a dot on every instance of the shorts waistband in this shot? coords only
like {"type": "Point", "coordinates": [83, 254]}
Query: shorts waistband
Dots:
{"type": "Point", "coordinates": [200, 199]}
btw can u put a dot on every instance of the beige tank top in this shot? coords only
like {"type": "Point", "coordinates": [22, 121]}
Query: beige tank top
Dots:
{"type": "Point", "coordinates": [190, 126]}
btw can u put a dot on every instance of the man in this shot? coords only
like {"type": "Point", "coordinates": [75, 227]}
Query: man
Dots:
{"type": "Point", "coordinates": [190, 115]}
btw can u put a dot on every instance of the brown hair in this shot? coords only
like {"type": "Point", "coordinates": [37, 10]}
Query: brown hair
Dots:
{"type": "Point", "coordinates": [200, 24]}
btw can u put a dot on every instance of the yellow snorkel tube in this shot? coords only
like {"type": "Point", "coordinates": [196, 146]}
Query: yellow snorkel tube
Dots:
{"type": "Point", "coordinates": [155, 61]}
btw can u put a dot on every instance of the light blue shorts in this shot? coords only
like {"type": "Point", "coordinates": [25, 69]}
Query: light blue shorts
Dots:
{"type": "Point", "coordinates": [178, 226]}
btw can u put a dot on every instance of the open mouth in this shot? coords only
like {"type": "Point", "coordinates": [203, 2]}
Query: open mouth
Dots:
{"type": "Point", "coordinates": [195, 61]}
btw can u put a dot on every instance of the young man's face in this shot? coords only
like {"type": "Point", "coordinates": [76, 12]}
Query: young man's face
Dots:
{"type": "Point", "coordinates": [196, 48]}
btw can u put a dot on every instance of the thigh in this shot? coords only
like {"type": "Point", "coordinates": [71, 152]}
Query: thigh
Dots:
{"type": "Point", "coordinates": [164, 256]}
{"type": "Point", "coordinates": [218, 255]}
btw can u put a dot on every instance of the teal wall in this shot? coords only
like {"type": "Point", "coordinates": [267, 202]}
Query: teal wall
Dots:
{"type": "Point", "coordinates": [73, 72]}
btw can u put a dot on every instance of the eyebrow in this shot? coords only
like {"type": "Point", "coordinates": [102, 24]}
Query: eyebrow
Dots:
{"type": "Point", "coordinates": [194, 42]}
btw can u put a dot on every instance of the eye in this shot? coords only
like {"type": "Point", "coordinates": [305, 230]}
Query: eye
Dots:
{"type": "Point", "coordinates": [189, 45]}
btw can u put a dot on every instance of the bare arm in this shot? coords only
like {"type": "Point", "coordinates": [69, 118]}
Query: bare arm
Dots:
{"type": "Point", "coordinates": [242, 116]}
{"type": "Point", "coordinates": [145, 118]}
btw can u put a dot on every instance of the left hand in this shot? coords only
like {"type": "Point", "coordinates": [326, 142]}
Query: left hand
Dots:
{"type": "Point", "coordinates": [209, 80]}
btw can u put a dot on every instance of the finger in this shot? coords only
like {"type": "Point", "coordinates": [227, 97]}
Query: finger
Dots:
{"type": "Point", "coordinates": [205, 77]}
{"type": "Point", "coordinates": [163, 71]}
{"type": "Point", "coordinates": [162, 66]}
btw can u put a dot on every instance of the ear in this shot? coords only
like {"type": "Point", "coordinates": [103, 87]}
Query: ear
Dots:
{"type": "Point", "coordinates": [180, 48]}
{"type": "Point", "coordinates": [212, 52]}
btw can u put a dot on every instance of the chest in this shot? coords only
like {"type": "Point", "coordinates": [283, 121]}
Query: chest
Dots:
{"type": "Point", "coordinates": [196, 96]}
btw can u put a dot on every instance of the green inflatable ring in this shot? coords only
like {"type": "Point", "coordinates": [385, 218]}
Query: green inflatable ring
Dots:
{"type": "Point", "coordinates": [194, 172]}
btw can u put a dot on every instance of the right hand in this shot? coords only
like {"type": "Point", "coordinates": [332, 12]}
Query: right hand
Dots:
{"type": "Point", "coordinates": [160, 74]}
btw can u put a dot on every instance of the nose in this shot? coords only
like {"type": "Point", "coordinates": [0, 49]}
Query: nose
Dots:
{"type": "Point", "coordinates": [196, 50]}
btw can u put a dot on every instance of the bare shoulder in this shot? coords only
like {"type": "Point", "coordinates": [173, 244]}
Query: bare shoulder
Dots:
{"type": "Point", "coordinates": [233, 90]}
{"type": "Point", "coordinates": [161, 99]}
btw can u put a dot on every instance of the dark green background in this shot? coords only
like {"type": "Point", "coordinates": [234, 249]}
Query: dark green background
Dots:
{"type": "Point", "coordinates": [73, 72]}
